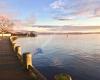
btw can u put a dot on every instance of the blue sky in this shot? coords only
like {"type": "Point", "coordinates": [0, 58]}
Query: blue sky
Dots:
{"type": "Point", "coordinates": [27, 8]}
{"type": "Point", "coordinates": [53, 12]}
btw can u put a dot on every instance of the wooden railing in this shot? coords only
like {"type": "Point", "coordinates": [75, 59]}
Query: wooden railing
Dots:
{"type": "Point", "coordinates": [26, 60]}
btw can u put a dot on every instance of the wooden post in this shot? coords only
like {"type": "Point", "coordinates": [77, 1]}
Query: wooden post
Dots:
{"type": "Point", "coordinates": [18, 50]}
{"type": "Point", "coordinates": [14, 45]}
{"type": "Point", "coordinates": [11, 40]}
{"type": "Point", "coordinates": [27, 59]}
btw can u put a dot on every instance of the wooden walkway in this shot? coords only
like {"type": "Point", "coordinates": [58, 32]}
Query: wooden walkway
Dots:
{"type": "Point", "coordinates": [10, 67]}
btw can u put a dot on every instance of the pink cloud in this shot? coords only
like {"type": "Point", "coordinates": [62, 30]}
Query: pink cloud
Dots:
{"type": "Point", "coordinates": [74, 9]}
{"type": "Point", "coordinates": [4, 5]}
{"type": "Point", "coordinates": [7, 11]}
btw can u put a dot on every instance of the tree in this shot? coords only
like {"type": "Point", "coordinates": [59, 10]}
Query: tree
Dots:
{"type": "Point", "coordinates": [5, 24]}
{"type": "Point", "coordinates": [63, 76]}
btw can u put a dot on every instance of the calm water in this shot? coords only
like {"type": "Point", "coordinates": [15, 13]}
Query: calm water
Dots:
{"type": "Point", "coordinates": [77, 55]}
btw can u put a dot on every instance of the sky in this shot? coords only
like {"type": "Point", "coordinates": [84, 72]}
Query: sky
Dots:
{"type": "Point", "coordinates": [52, 12]}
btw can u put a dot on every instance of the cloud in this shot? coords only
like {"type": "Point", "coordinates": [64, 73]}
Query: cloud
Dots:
{"type": "Point", "coordinates": [10, 15]}
{"type": "Point", "coordinates": [75, 9]}
{"type": "Point", "coordinates": [57, 4]}
{"type": "Point", "coordinates": [10, 11]}
{"type": "Point", "coordinates": [31, 19]}
{"type": "Point", "coordinates": [28, 21]}
{"type": "Point", "coordinates": [63, 18]}
{"type": "Point", "coordinates": [4, 4]}
{"type": "Point", "coordinates": [74, 28]}
{"type": "Point", "coordinates": [97, 12]}
{"type": "Point", "coordinates": [6, 10]}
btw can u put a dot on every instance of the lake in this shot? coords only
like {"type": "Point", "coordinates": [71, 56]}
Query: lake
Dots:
{"type": "Point", "coordinates": [77, 55]}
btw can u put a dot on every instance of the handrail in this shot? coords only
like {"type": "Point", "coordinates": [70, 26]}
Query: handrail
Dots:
{"type": "Point", "coordinates": [26, 60]}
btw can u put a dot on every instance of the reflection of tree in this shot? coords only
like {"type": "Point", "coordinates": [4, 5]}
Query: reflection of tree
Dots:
{"type": "Point", "coordinates": [5, 24]}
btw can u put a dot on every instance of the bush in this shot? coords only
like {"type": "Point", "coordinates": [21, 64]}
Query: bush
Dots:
{"type": "Point", "coordinates": [62, 76]}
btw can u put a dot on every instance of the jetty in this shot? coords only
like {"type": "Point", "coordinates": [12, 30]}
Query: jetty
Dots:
{"type": "Point", "coordinates": [10, 67]}
{"type": "Point", "coordinates": [12, 64]}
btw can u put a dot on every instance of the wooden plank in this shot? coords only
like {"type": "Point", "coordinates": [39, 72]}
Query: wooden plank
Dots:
{"type": "Point", "coordinates": [10, 67]}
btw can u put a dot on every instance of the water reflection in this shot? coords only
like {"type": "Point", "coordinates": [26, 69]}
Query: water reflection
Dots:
{"type": "Point", "coordinates": [77, 55]}
{"type": "Point", "coordinates": [38, 51]}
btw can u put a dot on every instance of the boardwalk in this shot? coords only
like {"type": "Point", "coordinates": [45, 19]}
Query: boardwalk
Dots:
{"type": "Point", "coordinates": [10, 67]}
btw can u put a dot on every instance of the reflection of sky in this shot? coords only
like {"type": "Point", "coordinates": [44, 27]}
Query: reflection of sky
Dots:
{"type": "Point", "coordinates": [77, 55]}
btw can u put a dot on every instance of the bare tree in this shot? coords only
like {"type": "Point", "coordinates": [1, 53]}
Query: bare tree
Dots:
{"type": "Point", "coordinates": [5, 24]}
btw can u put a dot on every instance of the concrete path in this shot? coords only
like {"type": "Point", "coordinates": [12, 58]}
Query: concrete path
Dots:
{"type": "Point", "coordinates": [10, 67]}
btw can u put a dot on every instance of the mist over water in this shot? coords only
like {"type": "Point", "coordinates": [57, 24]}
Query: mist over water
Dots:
{"type": "Point", "coordinates": [77, 55]}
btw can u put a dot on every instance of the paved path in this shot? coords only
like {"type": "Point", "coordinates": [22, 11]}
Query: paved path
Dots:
{"type": "Point", "coordinates": [10, 67]}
